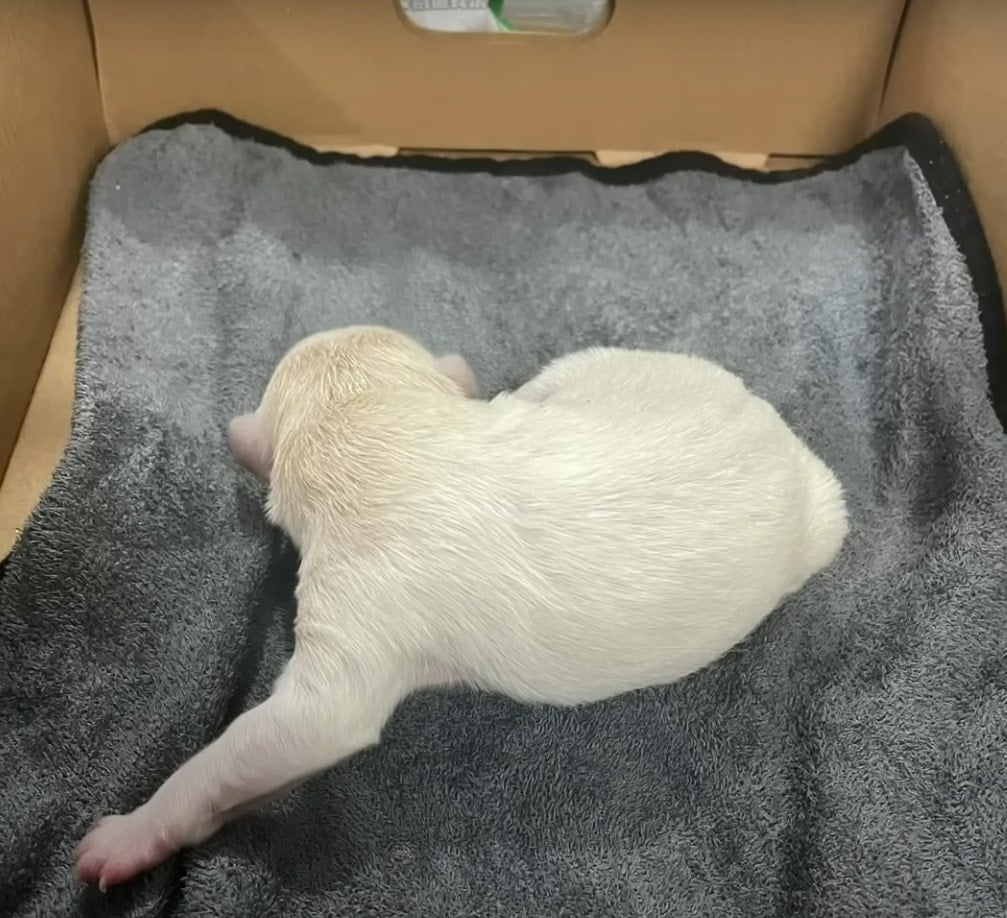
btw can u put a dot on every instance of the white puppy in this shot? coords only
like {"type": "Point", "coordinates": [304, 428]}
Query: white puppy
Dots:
{"type": "Point", "coordinates": [621, 521]}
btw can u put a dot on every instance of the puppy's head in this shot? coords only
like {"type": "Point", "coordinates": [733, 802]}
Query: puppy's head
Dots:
{"type": "Point", "coordinates": [322, 373]}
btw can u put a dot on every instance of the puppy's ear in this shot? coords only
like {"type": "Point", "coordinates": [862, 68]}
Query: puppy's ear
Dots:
{"type": "Point", "coordinates": [249, 443]}
{"type": "Point", "coordinates": [456, 368]}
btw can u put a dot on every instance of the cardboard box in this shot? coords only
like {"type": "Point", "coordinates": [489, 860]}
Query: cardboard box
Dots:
{"type": "Point", "coordinates": [768, 84]}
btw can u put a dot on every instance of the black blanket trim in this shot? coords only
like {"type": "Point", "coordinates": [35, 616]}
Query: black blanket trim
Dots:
{"type": "Point", "coordinates": [914, 132]}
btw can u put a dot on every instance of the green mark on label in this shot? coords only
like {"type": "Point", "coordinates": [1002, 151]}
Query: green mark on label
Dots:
{"type": "Point", "coordinates": [496, 9]}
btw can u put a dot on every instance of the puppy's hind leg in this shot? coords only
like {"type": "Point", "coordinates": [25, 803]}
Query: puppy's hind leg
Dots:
{"type": "Point", "coordinates": [310, 722]}
{"type": "Point", "coordinates": [554, 377]}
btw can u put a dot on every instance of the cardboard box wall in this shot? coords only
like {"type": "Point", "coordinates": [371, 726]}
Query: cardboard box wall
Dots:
{"type": "Point", "coordinates": [761, 83]}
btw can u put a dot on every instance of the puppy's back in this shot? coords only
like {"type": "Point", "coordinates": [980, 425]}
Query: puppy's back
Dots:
{"type": "Point", "coordinates": [624, 531]}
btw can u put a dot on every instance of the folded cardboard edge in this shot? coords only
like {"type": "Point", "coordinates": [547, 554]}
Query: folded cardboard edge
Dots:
{"type": "Point", "coordinates": [608, 158]}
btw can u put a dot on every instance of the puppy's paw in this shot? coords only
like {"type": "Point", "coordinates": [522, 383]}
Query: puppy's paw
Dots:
{"type": "Point", "coordinates": [119, 848]}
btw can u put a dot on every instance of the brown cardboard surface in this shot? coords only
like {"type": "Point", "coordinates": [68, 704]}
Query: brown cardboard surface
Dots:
{"type": "Point", "coordinates": [46, 426]}
{"type": "Point", "coordinates": [51, 134]}
{"type": "Point", "coordinates": [781, 76]}
{"type": "Point", "coordinates": [951, 64]}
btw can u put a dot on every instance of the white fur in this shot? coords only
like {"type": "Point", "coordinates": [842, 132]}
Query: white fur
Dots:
{"type": "Point", "coordinates": [620, 521]}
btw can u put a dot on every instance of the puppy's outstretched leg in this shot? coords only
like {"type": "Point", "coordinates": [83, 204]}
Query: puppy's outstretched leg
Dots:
{"type": "Point", "coordinates": [314, 718]}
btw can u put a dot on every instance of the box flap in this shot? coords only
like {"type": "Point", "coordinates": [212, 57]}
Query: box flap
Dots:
{"type": "Point", "coordinates": [784, 76]}
{"type": "Point", "coordinates": [51, 135]}
{"type": "Point", "coordinates": [951, 64]}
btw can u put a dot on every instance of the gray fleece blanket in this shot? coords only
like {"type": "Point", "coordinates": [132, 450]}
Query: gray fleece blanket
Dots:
{"type": "Point", "coordinates": [848, 759]}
